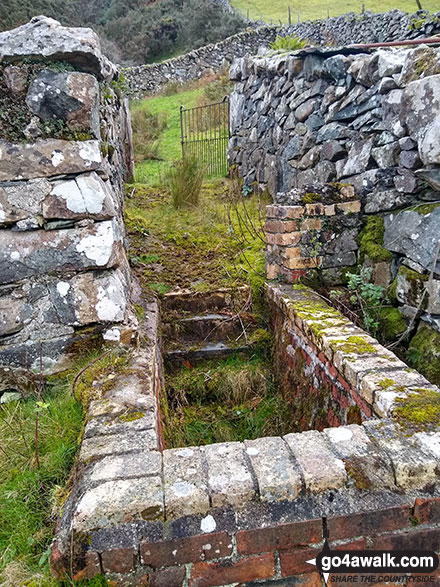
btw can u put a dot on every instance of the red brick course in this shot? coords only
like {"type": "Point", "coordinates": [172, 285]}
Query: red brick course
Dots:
{"type": "Point", "coordinates": [279, 537]}
{"type": "Point", "coordinates": [226, 572]}
{"type": "Point", "coordinates": [368, 523]}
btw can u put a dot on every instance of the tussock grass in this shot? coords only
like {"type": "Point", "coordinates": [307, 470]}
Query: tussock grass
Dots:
{"type": "Point", "coordinates": [184, 181]}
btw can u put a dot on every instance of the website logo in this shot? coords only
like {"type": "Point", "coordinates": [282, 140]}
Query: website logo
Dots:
{"type": "Point", "coordinates": [386, 563]}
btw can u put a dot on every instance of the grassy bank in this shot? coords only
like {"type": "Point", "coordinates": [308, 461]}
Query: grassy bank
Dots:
{"type": "Point", "coordinates": [151, 172]}
{"type": "Point", "coordinates": [314, 9]}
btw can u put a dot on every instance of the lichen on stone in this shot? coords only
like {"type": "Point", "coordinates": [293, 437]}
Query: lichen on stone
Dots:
{"type": "Point", "coordinates": [419, 410]}
{"type": "Point", "coordinates": [354, 345]}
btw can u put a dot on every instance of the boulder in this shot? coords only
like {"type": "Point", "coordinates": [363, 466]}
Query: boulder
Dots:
{"type": "Point", "coordinates": [69, 96]}
{"type": "Point", "coordinates": [383, 200]}
{"type": "Point", "coordinates": [45, 38]}
{"type": "Point", "coordinates": [420, 62]}
{"type": "Point", "coordinates": [390, 62]}
{"type": "Point", "coordinates": [410, 287]}
{"type": "Point", "coordinates": [46, 158]}
{"type": "Point", "coordinates": [431, 176]}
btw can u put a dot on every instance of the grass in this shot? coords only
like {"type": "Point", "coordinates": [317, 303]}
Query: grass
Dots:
{"type": "Point", "coordinates": [31, 497]}
{"type": "Point", "coordinates": [220, 401]}
{"type": "Point", "coordinates": [277, 10]}
{"type": "Point", "coordinates": [169, 149]}
{"type": "Point", "coordinates": [210, 245]}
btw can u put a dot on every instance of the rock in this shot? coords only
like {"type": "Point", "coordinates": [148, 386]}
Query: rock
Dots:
{"type": "Point", "coordinates": [407, 144]}
{"type": "Point", "coordinates": [305, 110]}
{"type": "Point", "coordinates": [46, 158]}
{"type": "Point", "coordinates": [236, 110]}
{"type": "Point", "coordinates": [414, 235]}
{"type": "Point", "coordinates": [47, 39]}
{"type": "Point", "coordinates": [386, 85]}
{"type": "Point", "coordinates": [310, 158]}
{"type": "Point", "coordinates": [32, 131]}
{"type": "Point", "coordinates": [358, 158]}
{"type": "Point", "coordinates": [21, 200]}
{"type": "Point", "coordinates": [364, 70]}
{"type": "Point", "coordinates": [410, 287]}
{"type": "Point", "coordinates": [425, 347]}
{"type": "Point", "coordinates": [235, 70]}
{"type": "Point", "coordinates": [71, 97]}
{"type": "Point", "coordinates": [406, 182]}
{"type": "Point", "coordinates": [419, 63]}
{"type": "Point", "coordinates": [419, 113]}
{"type": "Point", "coordinates": [431, 176]}
{"type": "Point", "coordinates": [383, 200]}
{"type": "Point", "coordinates": [391, 106]}
{"type": "Point", "coordinates": [387, 155]}
{"type": "Point", "coordinates": [332, 150]}
{"type": "Point", "coordinates": [429, 146]}
{"type": "Point", "coordinates": [88, 298]}
{"type": "Point", "coordinates": [433, 289]}
{"type": "Point", "coordinates": [333, 131]}
{"type": "Point", "coordinates": [11, 316]}
{"type": "Point", "coordinates": [390, 62]}
{"type": "Point", "coordinates": [86, 196]}
{"type": "Point", "coordinates": [23, 255]}
{"type": "Point", "coordinates": [336, 67]}
{"type": "Point", "coordinates": [409, 159]}
{"type": "Point", "coordinates": [15, 79]}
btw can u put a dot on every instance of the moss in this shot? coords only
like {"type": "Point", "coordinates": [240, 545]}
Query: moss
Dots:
{"type": "Point", "coordinates": [140, 311]}
{"type": "Point", "coordinates": [425, 209]}
{"type": "Point", "coordinates": [356, 471]}
{"type": "Point", "coordinates": [131, 416]}
{"type": "Point", "coordinates": [419, 410]}
{"type": "Point", "coordinates": [392, 291]}
{"type": "Point", "coordinates": [370, 241]}
{"type": "Point", "coordinates": [311, 198]}
{"type": "Point", "coordinates": [354, 345]}
{"type": "Point", "coordinates": [354, 415]}
{"type": "Point", "coordinates": [424, 352]}
{"type": "Point", "coordinates": [391, 323]}
{"type": "Point", "coordinates": [386, 383]}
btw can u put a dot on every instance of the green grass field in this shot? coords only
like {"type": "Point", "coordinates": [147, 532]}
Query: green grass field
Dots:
{"type": "Point", "coordinates": [170, 149]}
{"type": "Point", "coordinates": [276, 10]}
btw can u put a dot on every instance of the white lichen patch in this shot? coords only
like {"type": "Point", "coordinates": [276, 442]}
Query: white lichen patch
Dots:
{"type": "Point", "coordinates": [90, 152]}
{"type": "Point", "coordinates": [183, 488]}
{"type": "Point", "coordinates": [57, 158]}
{"type": "Point", "coordinates": [98, 247]}
{"type": "Point", "coordinates": [208, 524]}
{"type": "Point", "coordinates": [112, 334]}
{"type": "Point", "coordinates": [63, 288]}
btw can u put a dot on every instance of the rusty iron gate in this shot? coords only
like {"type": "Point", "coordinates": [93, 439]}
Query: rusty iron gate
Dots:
{"type": "Point", "coordinates": [204, 133]}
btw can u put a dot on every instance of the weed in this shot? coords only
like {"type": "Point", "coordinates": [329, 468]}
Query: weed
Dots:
{"type": "Point", "coordinates": [184, 181]}
{"type": "Point", "coordinates": [147, 128]}
{"type": "Point", "coordinates": [289, 43]}
{"type": "Point", "coordinates": [367, 296]}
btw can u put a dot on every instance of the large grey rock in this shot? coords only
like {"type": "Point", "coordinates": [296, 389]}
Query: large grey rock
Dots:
{"type": "Point", "coordinates": [44, 37]}
{"type": "Point", "coordinates": [47, 158]}
{"type": "Point", "coordinates": [383, 200]}
{"type": "Point", "coordinates": [390, 62]}
{"type": "Point", "coordinates": [391, 106]}
{"type": "Point", "coordinates": [358, 158]}
{"type": "Point", "coordinates": [420, 114]}
{"type": "Point", "coordinates": [431, 176]}
{"type": "Point", "coordinates": [86, 196]}
{"type": "Point", "coordinates": [414, 235]}
{"type": "Point", "coordinates": [387, 155]}
{"type": "Point", "coordinates": [90, 297]}
{"type": "Point", "coordinates": [69, 96]}
{"type": "Point", "coordinates": [420, 62]}
{"type": "Point", "coordinates": [38, 252]}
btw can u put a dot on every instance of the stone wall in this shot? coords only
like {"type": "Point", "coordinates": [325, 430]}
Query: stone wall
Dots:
{"type": "Point", "coordinates": [254, 512]}
{"type": "Point", "coordinates": [318, 123]}
{"type": "Point", "coordinates": [65, 151]}
{"type": "Point", "coordinates": [340, 30]}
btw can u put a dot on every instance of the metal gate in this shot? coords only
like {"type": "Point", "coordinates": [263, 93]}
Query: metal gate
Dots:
{"type": "Point", "coordinates": [204, 133]}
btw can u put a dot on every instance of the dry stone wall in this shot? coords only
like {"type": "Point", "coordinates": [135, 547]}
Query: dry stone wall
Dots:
{"type": "Point", "coordinates": [65, 151]}
{"type": "Point", "coordinates": [341, 30]}
{"type": "Point", "coordinates": [323, 129]}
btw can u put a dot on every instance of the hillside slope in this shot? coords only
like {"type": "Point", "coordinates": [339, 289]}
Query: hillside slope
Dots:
{"type": "Point", "coordinates": [134, 31]}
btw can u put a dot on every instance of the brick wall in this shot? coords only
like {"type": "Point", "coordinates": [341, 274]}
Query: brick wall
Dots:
{"type": "Point", "coordinates": [312, 236]}
{"type": "Point", "coordinates": [252, 513]}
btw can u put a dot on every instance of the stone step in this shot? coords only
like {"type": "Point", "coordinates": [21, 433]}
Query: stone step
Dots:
{"type": "Point", "coordinates": [203, 328]}
{"type": "Point", "coordinates": [199, 302]}
{"type": "Point", "coordinates": [211, 350]}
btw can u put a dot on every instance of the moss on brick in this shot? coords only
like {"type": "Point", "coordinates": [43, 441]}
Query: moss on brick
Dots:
{"type": "Point", "coordinates": [354, 345]}
{"type": "Point", "coordinates": [419, 410]}
{"type": "Point", "coordinates": [370, 241]}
